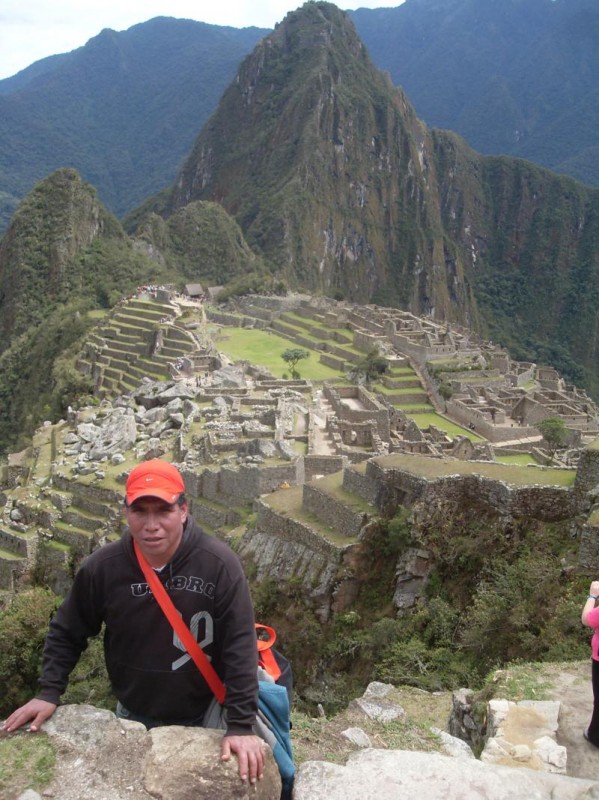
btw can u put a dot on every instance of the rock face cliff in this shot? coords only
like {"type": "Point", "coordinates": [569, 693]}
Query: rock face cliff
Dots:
{"type": "Point", "coordinates": [335, 180]}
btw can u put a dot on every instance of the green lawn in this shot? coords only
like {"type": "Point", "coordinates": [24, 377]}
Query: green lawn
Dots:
{"type": "Point", "coordinates": [510, 473]}
{"type": "Point", "coordinates": [432, 418]}
{"type": "Point", "coordinates": [521, 458]}
{"type": "Point", "coordinates": [265, 349]}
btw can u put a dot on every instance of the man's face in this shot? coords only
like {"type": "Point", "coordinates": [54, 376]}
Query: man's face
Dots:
{"type": "Point", "coordinates": [157, 527]}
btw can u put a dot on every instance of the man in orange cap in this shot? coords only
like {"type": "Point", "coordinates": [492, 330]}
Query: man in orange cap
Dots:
{"type": "Point", "coordinates": [153, 677]}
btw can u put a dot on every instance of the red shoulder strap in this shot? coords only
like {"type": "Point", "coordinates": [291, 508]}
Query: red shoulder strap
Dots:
{"type": "Point", "coordinates": [195, 651]}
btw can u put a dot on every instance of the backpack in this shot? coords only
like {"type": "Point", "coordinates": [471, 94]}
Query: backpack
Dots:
{"type": "Point", "coordinates": [275, 693]}
{"type": "Point", "coordinates": [273, 724]}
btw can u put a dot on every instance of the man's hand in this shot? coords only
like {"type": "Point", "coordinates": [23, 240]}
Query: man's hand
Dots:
{"type": "Point", "coordinates": [250, 755]}
{"type": "Point", "coordinates": [37, 710]}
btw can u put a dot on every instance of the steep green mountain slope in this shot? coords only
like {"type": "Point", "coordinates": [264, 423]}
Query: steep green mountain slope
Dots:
{"type": "Point", "coordinates": [343, 190]}
{"type": "Point", "coordinates": [519, 77]}
{"type": "Point", "coordinates": [201, 242]}
{"type": "Point", "coordinates": [62, 256]}
{"type": "Point", "coordinates": [320, 161]}
{"type": "Point", "coordinates": [123, 110]}
{"type": "Point", "coordinates": [64, 260]}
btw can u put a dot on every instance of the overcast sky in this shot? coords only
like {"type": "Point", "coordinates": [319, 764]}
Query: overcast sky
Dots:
{"type": "Point", "coordinates": [34, 29]}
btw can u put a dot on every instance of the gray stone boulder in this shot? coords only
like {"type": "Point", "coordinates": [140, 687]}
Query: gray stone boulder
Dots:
{"type": "Point", "coordinates": [229, 377]}
{"type": "Point", "coordinates": [116, 434]}
{"type": "Point", "coordinates": [388, 774]}
{"type": "Point", "coordinates": [100, 757]}
{"type": "Point", "coordinates": [160, 393]}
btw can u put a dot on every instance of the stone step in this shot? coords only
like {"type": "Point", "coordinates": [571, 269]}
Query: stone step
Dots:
{"type": "Point", "coordinates": [18, 544]}
{"type": "Point", "coordinates": [79, 540]}
{"type": "Point", "coordinates": [212, 515]}
{"type": "Point", "coordinates": [78, 518]}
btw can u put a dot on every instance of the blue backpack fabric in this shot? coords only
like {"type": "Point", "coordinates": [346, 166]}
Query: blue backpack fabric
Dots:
{"type": "Point", "coordinates": [273, 713]}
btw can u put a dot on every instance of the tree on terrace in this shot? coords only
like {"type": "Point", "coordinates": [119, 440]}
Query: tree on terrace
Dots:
{"type": "Point", "coordinates": [370, 367]}
{"type": "Point", "coordinates": [291, 356]}
{"type": "Point", "coordinates": [554, 432]}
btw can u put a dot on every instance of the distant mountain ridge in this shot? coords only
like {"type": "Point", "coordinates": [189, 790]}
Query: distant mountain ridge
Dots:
{"type": "Point", "coordinates": [124, 110]}
{"type": "Point", "coordinates": [520, 77]}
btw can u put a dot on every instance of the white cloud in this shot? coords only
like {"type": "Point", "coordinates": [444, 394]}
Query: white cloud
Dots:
{"type": "Point", "coordinates": [38, 28]}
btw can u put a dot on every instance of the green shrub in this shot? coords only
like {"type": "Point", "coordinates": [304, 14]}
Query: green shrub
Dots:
{"type": "Point", "coordinates": [23, 627]}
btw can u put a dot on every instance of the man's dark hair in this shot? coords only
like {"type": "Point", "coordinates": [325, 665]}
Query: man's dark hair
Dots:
{"type": "Point", "coordinates": [180, 501]}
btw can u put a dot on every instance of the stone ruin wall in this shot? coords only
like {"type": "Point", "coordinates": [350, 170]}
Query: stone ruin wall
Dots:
{"type": "Point", "coordinates": [362, 485]}
{"type": "Point", "coordinates": [465, 415]}
{"type": "Point", "coordinates": [332, 361]}
{"type": "Point", "coordinates": [14, 544]}
{"type": "Point", "coordinates": [285, 550]}
{"type": "Point", "coordinates": [332, 512]}
{"type": "Point", "coordinates": [373, 410]}
{"type": "Point", "coordinates": [547, 503]}
{"type": "Point", "coordinates": [244, 483]}
{"type": "Point", "coordinates": [587, 474]}
{"type": "Point", "coordinates": [287, 529]}
{"type": "Point", "coordinates": [322, 465]}
{"type": "Point", "coordinates": [368, 341]}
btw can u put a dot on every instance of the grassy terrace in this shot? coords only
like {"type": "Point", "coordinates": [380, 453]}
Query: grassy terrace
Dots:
{"type": "Point", "coordinates": [8, 556]}
{"type": "Point", "coordinates": [515, 475]}
{"type": "Point", "coordinates": [451, 428]}
{"type": "Point", "coordinates": [288, 503]}
{"type": "Point", "coordinates": [523, 459]}
{"type": "Point", "coordinates": [399, 391]}
{"type": "Point", "coordinates": [333, 485]}
{"type": "Point", "coordinates": [265, 349]}
{"type": "Point", "coordinates": [297, 322]}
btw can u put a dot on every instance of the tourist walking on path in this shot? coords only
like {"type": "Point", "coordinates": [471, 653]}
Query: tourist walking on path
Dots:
{"type": "Point", "coordinates": [154, 680]}
{"type": "Point", "coordinates": [590, 617]}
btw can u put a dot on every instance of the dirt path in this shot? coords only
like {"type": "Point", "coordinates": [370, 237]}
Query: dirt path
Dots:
{"type": "Point", "coordinates": [572, 687]}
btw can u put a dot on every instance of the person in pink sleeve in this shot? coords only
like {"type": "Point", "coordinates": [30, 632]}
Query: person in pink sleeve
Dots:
{"type": "Point", "coordinates": [590, 617]}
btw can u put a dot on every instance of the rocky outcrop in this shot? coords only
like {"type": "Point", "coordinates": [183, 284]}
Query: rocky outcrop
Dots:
{"type": "Point", "coordinates": [100, 757]}
{"type": "Point", "coordinates": [374, 774]}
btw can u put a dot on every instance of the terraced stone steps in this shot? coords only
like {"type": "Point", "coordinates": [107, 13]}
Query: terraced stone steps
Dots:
{"type": "Point", "coordinates": [212, 515]}
{"type": "Point", "coordinates": [81, 542]}
{"type": "Point", "coordinates": [16, 551]}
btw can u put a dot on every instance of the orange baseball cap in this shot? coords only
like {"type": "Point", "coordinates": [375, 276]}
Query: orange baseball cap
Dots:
{"type": "Point", "coordinates": [154, 478]}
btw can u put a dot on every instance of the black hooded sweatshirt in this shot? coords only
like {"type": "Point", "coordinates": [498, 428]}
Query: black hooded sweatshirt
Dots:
{"type": "Point", "coordinates": [151, 673]}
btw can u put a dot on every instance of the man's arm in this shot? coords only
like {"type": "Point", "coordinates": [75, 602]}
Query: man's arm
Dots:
{"type": "Point", "coordinates": [236, 637]}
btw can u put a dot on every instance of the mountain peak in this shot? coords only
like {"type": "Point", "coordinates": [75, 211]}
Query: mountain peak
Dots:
{"type": "Point", "coordinates": [308, 146]}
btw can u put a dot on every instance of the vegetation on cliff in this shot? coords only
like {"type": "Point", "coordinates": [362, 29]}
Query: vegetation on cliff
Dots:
{"type": "Point", "coordinates": [62, 256]}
